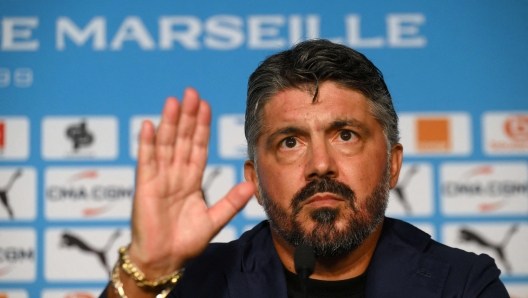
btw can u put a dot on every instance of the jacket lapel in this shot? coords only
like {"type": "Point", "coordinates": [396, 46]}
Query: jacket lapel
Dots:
{"type": "Point", "coordinates": [399, 268]}
{"type": "Point", "coordinates": [261, 272]}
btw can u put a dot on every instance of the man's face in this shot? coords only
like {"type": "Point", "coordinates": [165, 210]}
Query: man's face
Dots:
{"type": "Point", "coordinates": [323, 172]}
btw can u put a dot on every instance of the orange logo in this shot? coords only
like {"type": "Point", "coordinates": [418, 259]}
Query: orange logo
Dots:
{"type": "Point", "coordinates": [3, 295]}
{"type": "Point", "coordinates": [433, 134]}
{"type": "Point", "coordinates": [516, 127]}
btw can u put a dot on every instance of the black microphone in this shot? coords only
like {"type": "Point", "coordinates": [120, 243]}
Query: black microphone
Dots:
{"type": "Point", "coordinates": [304, 260]}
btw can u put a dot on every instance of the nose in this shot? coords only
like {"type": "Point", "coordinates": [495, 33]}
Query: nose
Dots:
{"type": "Point", "coordinates": [320, 161]}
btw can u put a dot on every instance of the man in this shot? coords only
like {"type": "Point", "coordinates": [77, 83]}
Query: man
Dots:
{"type": "Point", "coordinates": [323, 153]}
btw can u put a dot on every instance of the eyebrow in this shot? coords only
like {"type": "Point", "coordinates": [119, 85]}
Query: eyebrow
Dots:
{"type": "Point", "coordinates": [340, 123]}
{"type": "Point", "coordinates": [337, 124]}
{"type": "Point", "coordinates": [288, 130]}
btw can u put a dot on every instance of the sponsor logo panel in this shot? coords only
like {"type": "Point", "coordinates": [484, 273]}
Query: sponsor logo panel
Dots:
{"type": "Point", "coordinates": [217, 182]}
{"type": "Point", "coordinates": [506, 242]}
{"type": "Point", "coordinates": [90, 137]}
{"type": "Point", "coordinates": [414, 193]}
{"type": "Point", "coordinates": [18, 254]}
{"type": "Point", "coordinates": [484, 189]}
{"type": "Point", "coordinates": [92, 249]}
{"type": "Point", "coordinates": [14, 138]}
{"type": "Point", "coordinates": [13, 293]}
{"type": "Point", "coordinates": [71, 293]}
{"type": "Point", "coordinates": [227, 234]}
{"type": "Point", "coordinates": [254, 210]}
{"type": "Point", "coordinates": [431, 134]}
{"type": "Point", "coordinates": [231, 139]}
{"type": "Point", "coordinates": [88, 193]}
{"type": "Point", "coordinates": [505, 133]}
{"type": "Point", "coordinates": [517, 290]}
{"type": "Point", "coordinates": [135, 128]}
{"type": "Point", "coordinates": [18, 193]}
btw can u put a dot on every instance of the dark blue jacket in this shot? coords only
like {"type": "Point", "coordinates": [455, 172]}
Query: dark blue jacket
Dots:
{"type": "Point", "coordinates": [406, 263]}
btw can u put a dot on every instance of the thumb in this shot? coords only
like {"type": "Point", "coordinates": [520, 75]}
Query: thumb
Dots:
{"type": "Point", "coordinates": [225, 209]}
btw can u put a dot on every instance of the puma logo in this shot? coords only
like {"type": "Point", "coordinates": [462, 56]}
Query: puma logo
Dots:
{"type": "Point", "coordinates": [4, 192]}
{"type": "Point", "coordinates": [471, 236]}
{"type": "Point", "coordinates": [70, 240]}
{"type": "Point", "coordinates": [399, 189]}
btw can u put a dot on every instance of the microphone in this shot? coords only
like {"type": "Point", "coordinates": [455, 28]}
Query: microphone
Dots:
{"type": "Point", "coordinates": [304, 261]}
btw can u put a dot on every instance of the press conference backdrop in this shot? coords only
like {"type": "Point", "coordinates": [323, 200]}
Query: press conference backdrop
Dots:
{"type": "Point", "coordinates": [78, 77]}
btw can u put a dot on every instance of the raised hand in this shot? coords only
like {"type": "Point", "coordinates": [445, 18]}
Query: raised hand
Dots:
{"type": "Point", "coordinates": [171, 222]}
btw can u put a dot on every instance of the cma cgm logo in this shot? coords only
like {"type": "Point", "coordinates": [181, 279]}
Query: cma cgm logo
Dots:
{"type": "Point", "coordinates": [91, 192]}
{"type": "Point", "coordinates": [516, 127]}
{"type": "Point", "coordinates": [11, 256]}
{"type": "Point", "coordinates": [488, 184]}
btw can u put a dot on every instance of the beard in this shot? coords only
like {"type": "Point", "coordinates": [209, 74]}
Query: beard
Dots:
{"type": "Point", "coordinates": [328, 238]}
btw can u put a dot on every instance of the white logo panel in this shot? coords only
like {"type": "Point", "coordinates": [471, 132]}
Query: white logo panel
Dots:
{"type": "Point", "coordinates": [484, 189]}
{"type": "Point", "coordinates": [254, 210]}
{"type": "Point", "coordinates": [217, 182]}
{"type": "Point", "coordinates": [82, 137]}
{"type": "Point", "coordinates": [505, 242]}
{"type": "Point", "coordinates": [13, 293]}
{"type": "Point", "coordinates": [88, 193]}
{"type": "Point", "coordinates": [18, 191]}
{"type": "Point", "coordinates": [227, 234]}
{"type": "Point", "coordinates": [517, 290]}
{"type": "Point", "coordinates": [14, 138]}
{"type": "Point", "coordinates": [71, 293]}
{"type": "Point", "coordinates": [135, 128]}
{"type": "Point", "coordinates": [231, 139]}
{"type": "Point", "coordinates": [18, 254]}
{"type": "Point", "coordinates": [414, 193]}
{"type": "Point", "coordinates": [505, 133]}
{"type": "Point", "coordinates": [432, 134]}
{"type": "Point", "coordinates": [92, 249]}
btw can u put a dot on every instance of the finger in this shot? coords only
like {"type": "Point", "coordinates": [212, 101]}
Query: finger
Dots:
{"type": "Point", "coordinates": [200, 140]}
{"type": "Point", "coordinates": [146, 167]}
{"type": "Point", "coordinates": [228, 206]}
{"type": "Point", "coordinates": [186, 125]}
{"type": "Point", "coordinates": [166, 133]}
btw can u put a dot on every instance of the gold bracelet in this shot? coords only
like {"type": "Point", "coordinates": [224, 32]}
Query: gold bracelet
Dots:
{"type": "Point", "coordinates": [118, 285]}
{"type": "Point", "coordinates": [116, 281]}
{"type": "Point", "coordinates": [139, 277]}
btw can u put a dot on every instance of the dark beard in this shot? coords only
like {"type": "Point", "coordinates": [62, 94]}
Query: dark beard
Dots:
{"type": "Point", "coordinates": [326, 239]}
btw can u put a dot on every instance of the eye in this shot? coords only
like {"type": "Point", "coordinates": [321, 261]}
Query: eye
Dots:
{"type": "Point", "coordinates": [289, 142]}
{"type": "Point", "coordinates": [346, 135]}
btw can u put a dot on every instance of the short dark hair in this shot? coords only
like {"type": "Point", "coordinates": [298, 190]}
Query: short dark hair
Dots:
{"type": "Point", "coordinates": [307, 65]}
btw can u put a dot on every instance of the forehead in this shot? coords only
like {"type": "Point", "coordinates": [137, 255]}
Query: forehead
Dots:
{"type": "Point", "coordinates": [334, 102]}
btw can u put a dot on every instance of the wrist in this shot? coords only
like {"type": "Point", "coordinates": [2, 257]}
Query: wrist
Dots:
{"type": "Point", "coordinates": [154, 267]}
{"type": "Point", "coordinates": [125, 270]}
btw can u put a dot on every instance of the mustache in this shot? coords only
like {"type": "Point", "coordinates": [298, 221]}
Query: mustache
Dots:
{"type": "Point", "coordinates": [321, 185]}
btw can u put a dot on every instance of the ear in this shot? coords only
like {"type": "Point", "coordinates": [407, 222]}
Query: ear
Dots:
{"type": "Point", "coordinates": [395, 164]}
{"type": "Point", "coordinates": [250, 174]}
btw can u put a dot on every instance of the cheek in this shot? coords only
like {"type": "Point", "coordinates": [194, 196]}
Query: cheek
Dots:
{"type": "Point", "coordinates": [281, 183]}
{"type": "Point", "coordinates": [290, 157]}
{"type": "Point", "coordinates": [363, 174]}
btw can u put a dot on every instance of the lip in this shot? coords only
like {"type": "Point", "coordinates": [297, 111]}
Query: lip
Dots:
{"type": "Point", "coordinates": [323, 199]}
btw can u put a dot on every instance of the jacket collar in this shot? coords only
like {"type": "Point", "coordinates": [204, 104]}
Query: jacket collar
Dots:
{"type": "Point", "coordinates": [401, 268]}
{"type": "Point", "coordinates": [261, 273]}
